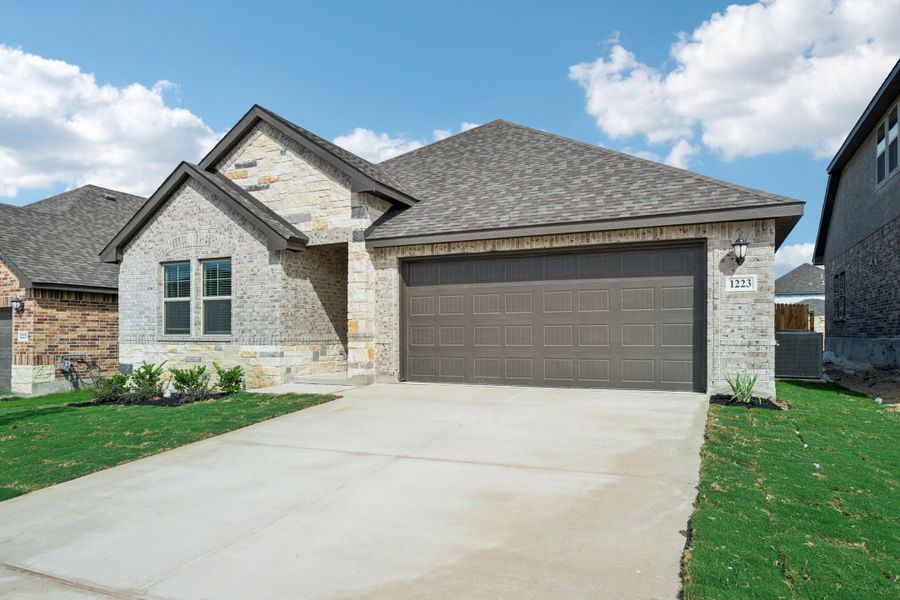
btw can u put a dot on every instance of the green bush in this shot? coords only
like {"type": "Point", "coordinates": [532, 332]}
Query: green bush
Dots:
{"type": "Point", "coordinates": [111, 388]}
{"type": "Point", "coordinates": [230, 381]}
{"type": "Point", "coordinates": [742, 386]}
{"type": "Point", "coordinates": [146, 380]}
{"type": "Point", "coordinates": [193, 382]}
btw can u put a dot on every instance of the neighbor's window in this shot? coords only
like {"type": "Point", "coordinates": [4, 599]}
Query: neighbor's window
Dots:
{"type": "Point", "coordinates": [217, 296]}
{"type": "Point", "coordinates": [887, 145]}
{"type": "Point", "coordinates": [177, 298]}
{"type": "Point", "coordinates": [840, 296]}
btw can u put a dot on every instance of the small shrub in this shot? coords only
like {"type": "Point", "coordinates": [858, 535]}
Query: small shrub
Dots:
{"type": "Point", "coordinates": [742, 386]}
{"type": "Point", "coordinates": [146, 380]}
{"type": "Point", "coordinates": [111, 388]}
{"type": "Point", "coordinates": [193, 382]}
{"type": "Point", "coordinates": [230, 381]}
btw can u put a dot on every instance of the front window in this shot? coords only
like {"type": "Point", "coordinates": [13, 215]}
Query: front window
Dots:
{"type": "Point", "coordinates": [217, 297]}
{"type": "Point", "coordinates": [177, 298]}
{"type": "Point", "coordinates": [840, 296]}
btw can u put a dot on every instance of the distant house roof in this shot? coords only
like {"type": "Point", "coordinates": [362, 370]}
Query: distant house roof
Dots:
{"type": "Point", "coordinates": [805, 279]}
{"type": "Point", "coordinates": [502, 179]}
{"type": "Point", "coordinates": [866, 123]}
{"type": "Point", "coordinates": [280, 234]}
{"type": "Point", "coordinates": [53, 243]}
{"type": "Point", "coordinates": [816, 305]}
{"type": "Point", "coordinates": [364, 175]}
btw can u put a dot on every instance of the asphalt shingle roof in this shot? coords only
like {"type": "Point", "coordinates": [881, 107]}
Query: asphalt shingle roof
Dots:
{"type": "Point", "coordinates": [56, 241]}
{"type": "Point", "coordinates": [503, 175]}
{"type": "Point", "coordinates": [805, 279]}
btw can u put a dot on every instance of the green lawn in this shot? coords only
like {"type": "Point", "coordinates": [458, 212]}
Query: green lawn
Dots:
{"type": "Point", "coordinates": [803, 503]}
{"type": "Point", "coordinates": [44, 442]}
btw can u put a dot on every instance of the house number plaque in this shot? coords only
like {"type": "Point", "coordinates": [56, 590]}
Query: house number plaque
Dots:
{"type": "Point", "coordinates": [740, 283]}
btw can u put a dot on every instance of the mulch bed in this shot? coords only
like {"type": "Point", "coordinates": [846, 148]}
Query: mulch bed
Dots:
{"type": "Point", "coordinates": [767, 403]}
{"type": "Point", "coordinates": [136, 400]}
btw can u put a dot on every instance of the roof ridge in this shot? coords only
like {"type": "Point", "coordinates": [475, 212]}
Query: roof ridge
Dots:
{"type": "Point", "coordinates": [454, 136]}
{"type": "Point", "coordinates": [654, 164]}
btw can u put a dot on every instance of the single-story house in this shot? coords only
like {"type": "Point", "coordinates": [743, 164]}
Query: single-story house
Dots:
{"type": "Point", "coordinates": [501, 255]}
{"type": "Point", "coordinates": [57, 298]}
{"type": "Point", "coordinates": [859, 235]}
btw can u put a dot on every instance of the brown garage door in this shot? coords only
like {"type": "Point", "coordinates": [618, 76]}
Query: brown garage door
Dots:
{"type": "Point", "coordinates": [619, 318]}
{"type": "Point", "coordinates": [5, 348]}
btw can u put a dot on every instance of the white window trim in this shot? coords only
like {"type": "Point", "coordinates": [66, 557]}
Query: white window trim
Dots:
{"type": "Point", "coordinates": [188, 298]}
{"type": "Point", "coordinates": [884, 123]}
{"type": "Point", "coordinates": [204, 298]}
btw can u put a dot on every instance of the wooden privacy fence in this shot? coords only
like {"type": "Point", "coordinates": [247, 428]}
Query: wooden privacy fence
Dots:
{"type": "Point", "coordinates": [793, 317]}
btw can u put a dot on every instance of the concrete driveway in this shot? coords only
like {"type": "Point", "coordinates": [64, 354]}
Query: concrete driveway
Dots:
{"type": "Point", "coordinates": [394, 491]}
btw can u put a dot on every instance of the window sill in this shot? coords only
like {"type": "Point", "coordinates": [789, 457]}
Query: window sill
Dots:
{"type": "Point", "coordinates": [196, 339]}
{"type": "Point", "coordinates": [887, 179]}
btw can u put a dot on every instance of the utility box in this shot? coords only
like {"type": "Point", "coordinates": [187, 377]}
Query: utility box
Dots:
{"type": "Point", "coordinates": [798, 354]}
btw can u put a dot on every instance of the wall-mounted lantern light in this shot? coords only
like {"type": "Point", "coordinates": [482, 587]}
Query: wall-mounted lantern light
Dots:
{"type": "Point", "coordinates": [740, 248]}
{"type": "Point", "coordinates": [17, 304]}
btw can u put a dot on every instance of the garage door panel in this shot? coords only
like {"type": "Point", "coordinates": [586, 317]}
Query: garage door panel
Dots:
{"type": "Point", "coordinates": [529, 321]}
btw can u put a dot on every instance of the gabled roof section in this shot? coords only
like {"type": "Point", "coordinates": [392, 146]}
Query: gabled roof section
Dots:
{"type": "Point", "coordinates": [805, 279]}
{"type": "Point", "coordinates": [53, 243]}
{"type": "Point", "coordinates": [506, 180]}
{"type": "Point", "coordinates": [364, 176]}
{"type": "Point", "coordinates": [879, 104]}
{"type": "Point", "coordinates": [280, 234]}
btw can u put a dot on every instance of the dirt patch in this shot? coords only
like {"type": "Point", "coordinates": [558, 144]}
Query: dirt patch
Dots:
{"type": "Point", "coordinates": [874, 383]}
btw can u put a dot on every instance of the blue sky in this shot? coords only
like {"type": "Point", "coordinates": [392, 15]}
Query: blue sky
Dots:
{"type": "Point", "coordinates": [406, 69]}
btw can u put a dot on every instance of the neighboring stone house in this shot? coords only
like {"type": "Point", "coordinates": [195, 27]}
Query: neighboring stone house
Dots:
{"type": "Point", "coordinates": [502, 255]}
{"type": "Point", "coordinates": [65, 295]}
{"type": "Point", "coordinates": [859, 235]}
{"type": "Point", "coordinates": [804, 284]}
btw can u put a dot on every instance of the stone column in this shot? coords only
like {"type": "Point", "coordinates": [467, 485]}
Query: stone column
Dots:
{"type": "Point", "coordinates": [361, 286]}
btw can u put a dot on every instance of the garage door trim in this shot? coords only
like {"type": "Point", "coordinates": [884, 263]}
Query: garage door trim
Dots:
{"type": "Point", "coordinates": [698, 271]}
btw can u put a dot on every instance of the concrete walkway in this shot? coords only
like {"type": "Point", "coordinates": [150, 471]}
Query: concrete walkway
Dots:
{"type": "Point", "coordinates": [394, 491]}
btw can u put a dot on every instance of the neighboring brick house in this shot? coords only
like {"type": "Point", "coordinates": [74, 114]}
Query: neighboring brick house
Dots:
{"type": "Point", "coordinates": [859, 235]}
{"type": "Point", "coordinates": [68, 298]}
{"type": "Point", "coordinates": [502, 255]}
{"type": "Point", "coordinates": [804, 284]}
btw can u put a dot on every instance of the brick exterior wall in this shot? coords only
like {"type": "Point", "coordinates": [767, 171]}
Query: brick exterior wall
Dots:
{"type": "Point", "coordinates": [740, 326]}
{"type": "Point", "coordinates": [288, 308]}
{"type": "Point", "coordinates": [870, 332]}
{"type": "Point", "coordinates": [58, 323]}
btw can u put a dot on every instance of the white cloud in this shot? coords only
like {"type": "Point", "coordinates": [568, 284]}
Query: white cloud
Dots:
{"type": "Point", "coordinates": [441, 134]}
{"type": "Point", "coordinates": [377, 147]}
{"type": "Point", "coordinates": [681, 154]}
{"type": "Point", "coordinates": [58, 126]}
{"type": "Point", "coordinates": [754, 79]}
{"type": "Point", "coordinates": [791, 256]}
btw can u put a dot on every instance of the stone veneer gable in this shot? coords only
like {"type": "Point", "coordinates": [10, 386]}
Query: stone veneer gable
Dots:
{"type": "Point", "coordinates": [306, 191]}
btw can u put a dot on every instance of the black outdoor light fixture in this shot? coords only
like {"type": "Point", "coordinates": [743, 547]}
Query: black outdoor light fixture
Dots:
{"type": "Point", "coordinates": [740, 248]}
{"type": "Point", "coordinates": [17, 304]}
